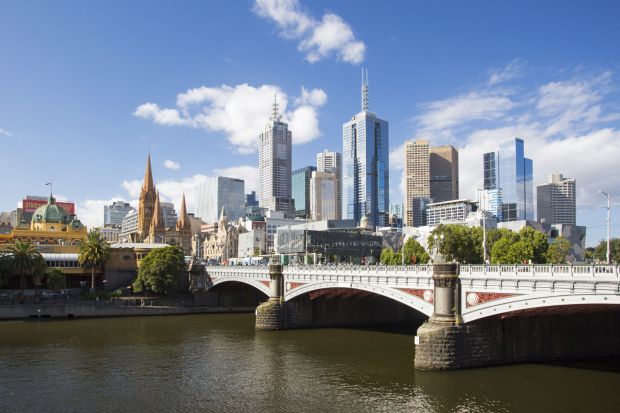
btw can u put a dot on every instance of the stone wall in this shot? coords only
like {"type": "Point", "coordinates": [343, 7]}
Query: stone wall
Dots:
{"type": "Point", "coordinates": [572, 333]}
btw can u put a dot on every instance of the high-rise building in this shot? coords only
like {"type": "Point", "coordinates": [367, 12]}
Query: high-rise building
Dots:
{"type": "Point", "coordinates": [169, 215]}
{"type": "Point", "coordinates": [444, 173]}
{"type": "Point", "coordinates": [114, 213]}
{"type": "Point", "coordinates": [556, 200]}
{"type": "Point", "coordinates": [331, 162]}
{"type": "Point", "coordinates": [323, 196]}
{"type": "Point", "coordinates": [365, 175]}
{"type": "Point", "coordinates": [251, 200]}
{"type": "Point", "coordinates": [301, 190]}
{"type": "Point", "coordinates": [430, 174]}
{"type": "Point", "coordinates": [510, 173]}
{"type": "Point", "coordinates": [218, 192]}
{"type": "Point", "coordinates": [274, 166]}
{"type": "Point", "coordinates": [416, 178]}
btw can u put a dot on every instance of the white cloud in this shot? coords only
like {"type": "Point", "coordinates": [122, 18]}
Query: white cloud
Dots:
{"type": "Point", "coordinates": [132, 187]}
{"type": "Point", "coordinates": [248, 173]}
{"type": "Point", "coordinates": [90, 211]}
{"type": "Point", "coordinates": [397, 157]}
{"type": "Point", "coordinates": [511, 71]}
{"type": "Point", "coordinates": [241, 112]}
{"type": "Point", "coordinates": [5, 132]}
{"type": "Point", "coordinates": [318, 39]}
{"type": "Point", "coordinates": [172, 165]}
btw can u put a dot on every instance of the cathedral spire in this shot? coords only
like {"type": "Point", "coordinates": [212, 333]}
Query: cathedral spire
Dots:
{"type": "Point", "coordinates": [148, 186]}
{"type": "Point", "coordinates": [158, 218]}
{"type": "Point", "coordinates": [183, 221]}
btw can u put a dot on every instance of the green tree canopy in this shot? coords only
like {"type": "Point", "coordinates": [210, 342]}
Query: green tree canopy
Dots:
{"type": "Point", "coordinates": [56, 279]}
{"type": "Point", "coordinates": [389, 257]}
{"type": "Point", "coordinates": [600, 251]}
{"type": "Point", "coordinates": [460, 243]}
{"type": "Point", "coordinates": [25, 260]}
{"type": "Point", "coordinates": [557, 252]}
{"type": "Point", "coordinates": [94, 252]}
{"type": "Point", "coordinates": [159, 269]}
{"type": "Point", "coordinates": [415, 252]}
{"type": "Point", "coordinates": [538, 242]}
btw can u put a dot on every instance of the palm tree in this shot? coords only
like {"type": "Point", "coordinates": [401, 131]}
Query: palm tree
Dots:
{"type": "Point", "coordinates": [25, 260]}
{"type": "Point", "coordinates": [94, 251]}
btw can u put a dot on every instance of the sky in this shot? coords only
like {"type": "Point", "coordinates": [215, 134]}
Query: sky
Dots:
{"type": "Point", "coordinates": [88, 89]}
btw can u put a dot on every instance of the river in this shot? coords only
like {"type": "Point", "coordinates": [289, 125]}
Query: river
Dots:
{"type": "Point", "coordinates": [219, 363]}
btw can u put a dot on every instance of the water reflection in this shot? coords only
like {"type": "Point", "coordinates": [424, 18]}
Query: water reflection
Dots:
{"type": "Point", "coordinates": [219, 363]}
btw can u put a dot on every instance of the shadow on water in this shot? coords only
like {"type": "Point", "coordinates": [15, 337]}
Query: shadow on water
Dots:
{"type": "Point", "coordinates": [609, 364]}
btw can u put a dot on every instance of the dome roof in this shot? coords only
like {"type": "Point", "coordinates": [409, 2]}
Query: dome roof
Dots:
{"type": "Point", "coordinates": [50, 213]}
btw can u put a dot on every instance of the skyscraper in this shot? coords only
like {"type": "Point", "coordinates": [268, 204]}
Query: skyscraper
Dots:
{"type": "Point", "coordinates": [509, 172]}
{"type": "Point", "coordinates": [301, 190]}
{"type": "Point", "coordinates": [218, 192]}
{"type": "Point", "coordinates": [556, 201]}
{"type": "Point", "coordinates": [431, 174]}
{"type": "Point", "coordinates": [274, 166]}
{"type": "Point", "coordinates": [114, 213]}
{"type": "Point", "coordinates": [331, 162]}
{"type": "Point", "coordinates": [417, 179]}
{"type": "Point", "coordinates": [323, 198]}
{"type": "Point", "coordinates": [365, 176]}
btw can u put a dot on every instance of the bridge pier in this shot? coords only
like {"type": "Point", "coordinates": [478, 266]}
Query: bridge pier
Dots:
{"type": "Point", "coordinates": [271, 315]}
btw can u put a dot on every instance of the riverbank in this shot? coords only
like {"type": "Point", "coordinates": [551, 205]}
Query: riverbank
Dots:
{"type": "Point", "coordinates": [50, 310]}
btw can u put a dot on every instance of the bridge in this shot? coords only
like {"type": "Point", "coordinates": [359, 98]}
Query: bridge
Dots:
{"type": "Point", "coordinates": [468, 307]}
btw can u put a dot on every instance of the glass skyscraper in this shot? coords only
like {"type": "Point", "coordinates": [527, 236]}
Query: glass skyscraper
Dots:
{"type": "Point", "coordinates": [219, 192]}
{"type": "Point", "coordinates": [510, 173]}
{"type": "Point", "coordinates": [301, 190]}
{"type": "Point", "coordinates": [365, 175]}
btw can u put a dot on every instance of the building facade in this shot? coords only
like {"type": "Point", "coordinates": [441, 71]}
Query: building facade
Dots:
{"type": "Point", "coordinates": [449, 211]}
{"type": "Point", "coordinates": [219, 192]}
{"type": "Point", "coordinates": [274, 166]}
{"type": "Point", "coordinates": [556, 200]}
{"type": "Point", "coordinates": [331, 162]}
{"type": "Point", "coordinates": [323, 196]}
{"type": "Point", "coordinates": [223, 245]}
{"type": "Point", "coordinates": [301, 190]}
{"type": "Point", "coordinates": [114, 213]}
{"type": "Point", "coordinates": [511, 173]}
{"type": "Point", "coordinates": [444, 173]}
{"type": "Point", "coordinates": [365, 171]}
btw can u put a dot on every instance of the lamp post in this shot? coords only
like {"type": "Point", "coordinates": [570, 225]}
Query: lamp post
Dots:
{"type": "Point", "coordinates": [608, 222]}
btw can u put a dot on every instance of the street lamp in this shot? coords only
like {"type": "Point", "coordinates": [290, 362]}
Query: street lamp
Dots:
{"type": "Point", "coordinates": [483, 201]}
{"type": "Point", "coordinates": [608, 222]}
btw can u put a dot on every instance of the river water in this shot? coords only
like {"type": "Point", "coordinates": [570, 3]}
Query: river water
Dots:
{"type": "Point", "coordinates": [219, 363]}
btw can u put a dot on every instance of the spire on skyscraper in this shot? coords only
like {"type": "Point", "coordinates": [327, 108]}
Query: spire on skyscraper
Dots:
{"type": "Point", "coordinates": [364, 90]}
{"type": "Point", "coordinates": [275, 116]}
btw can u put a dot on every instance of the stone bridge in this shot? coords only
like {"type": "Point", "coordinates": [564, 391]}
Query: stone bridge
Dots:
{"type": "Point", "coordinates": [478, 314]}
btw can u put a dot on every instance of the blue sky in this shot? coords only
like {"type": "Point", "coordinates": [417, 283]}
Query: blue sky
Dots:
{"type": "Point", "coordinates": [87, 89]}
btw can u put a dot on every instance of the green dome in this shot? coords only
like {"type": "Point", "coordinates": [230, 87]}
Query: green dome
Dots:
{"type": "Point", "coordinates": [50, 213]}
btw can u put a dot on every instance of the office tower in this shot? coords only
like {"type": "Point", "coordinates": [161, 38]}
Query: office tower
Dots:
{"type": "Point", "coordinates": [301, 190]}
{"type": "Point", "coordinates": [274, 166]}
{"type": "Point", "coordinates": [251, 200]}
{"type": "Point", "coordinates": [556, 203]}
{"type": "Point", "coordinates": [114, 213]}
{"type": "Point", "coordinates": [509, 172]}
{"type": "Point", "coordinates": [218, 192]}
{"type": "Point", "coordinates": [365, 175]}
{"type": "Point", "coordinates": [431, 174]}
{"type": "Point", "coordinates": [444, 173]}
{"type": "Point", "coordinates": [169, 215]}
{"type": "Point", "coordinates": [323, 196]}
{"type": "Point", "coordinates": [331, 162]}
{"type": "Point", "coordinates": [417, 179]}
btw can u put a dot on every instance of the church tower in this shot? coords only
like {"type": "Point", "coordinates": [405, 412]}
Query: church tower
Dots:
{"type": "Point", "coordinates": [184, 228]}
{"type": "Point", "coordinates": [157, 229]}
{"type": "Point", "coordinates": [148, 197]}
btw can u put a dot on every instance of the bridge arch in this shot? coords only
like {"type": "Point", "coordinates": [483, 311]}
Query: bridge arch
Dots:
{"type": "Point", "coordinates": [260, 286]}
{"type": "Point", "coordinates": [521, 303]}
{"type": "Point", "coordinates": [410, 300]}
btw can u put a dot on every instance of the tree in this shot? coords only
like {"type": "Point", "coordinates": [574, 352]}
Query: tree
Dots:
{"type": "Point", "coordinates": [5, 268]}
{"type": "Point", "coordinates": [600, 251]}
{"type": "Point", "coordinates": [557, 252]}
{"type": "Point", "coordinates": [460, 243]}
{"type": "Point", "coordinates": [415, 252]}
{"type": "Point", "coordinates": [56, 279]}
{"type": "Point", "coordinates": [538, 241]}
{"type": "Point", "coordinates": [159, 269]}
{"type": "Point", "coordinates": [93, 252]}
{"type": "Point", "coordinates": [389, 257]}
{"type": "Point", "coordinates": [25, 259]}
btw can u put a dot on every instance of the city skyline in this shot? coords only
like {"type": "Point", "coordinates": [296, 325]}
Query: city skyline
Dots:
{"type": "Point", "coordinates": [564, 105]}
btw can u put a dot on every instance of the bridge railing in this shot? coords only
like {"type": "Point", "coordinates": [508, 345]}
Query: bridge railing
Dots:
{"type": "Point", "coordinates": [537, 270]}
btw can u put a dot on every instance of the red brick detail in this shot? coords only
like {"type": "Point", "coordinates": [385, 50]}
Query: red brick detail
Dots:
{"type": "Point", "coordinates": [475, 298]}
{"type": "Point", "coordinates": [426, 295]}
{"type": "Point", "coordinates": [291, 286]}
{"type": "Point", "coordinates": [267, 283]}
